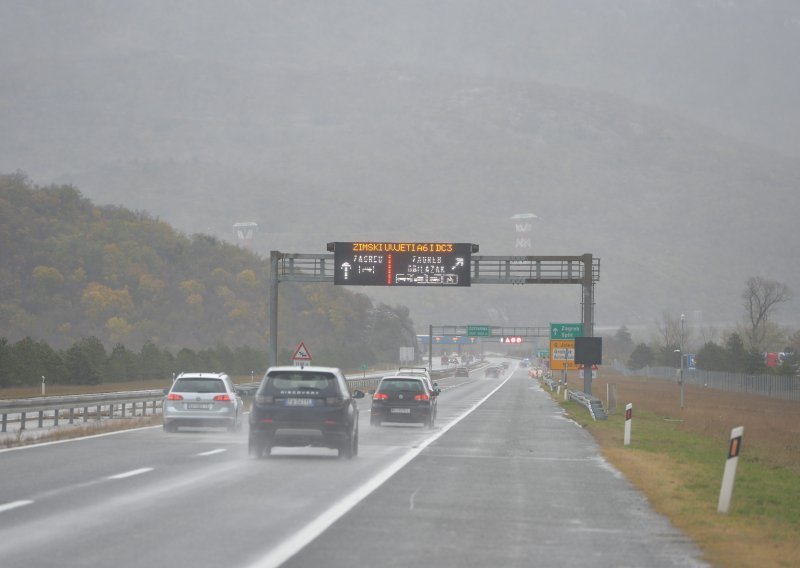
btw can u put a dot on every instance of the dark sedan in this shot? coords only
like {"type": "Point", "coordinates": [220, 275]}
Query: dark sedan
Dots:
{"type": "Point", "coordinates": [493, 372]}
{"type": "Point", "coordinates": [403, 399]}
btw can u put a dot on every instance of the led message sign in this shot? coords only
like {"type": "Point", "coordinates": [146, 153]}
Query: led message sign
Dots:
{"type": "Point", "coordinates": [402, 264]}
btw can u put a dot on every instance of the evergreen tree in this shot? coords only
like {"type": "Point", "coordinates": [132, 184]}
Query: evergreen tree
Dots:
{"type": "Point", "coordinates": [712, 357]}
{"type": "Point", "coordinates": [642, 356]}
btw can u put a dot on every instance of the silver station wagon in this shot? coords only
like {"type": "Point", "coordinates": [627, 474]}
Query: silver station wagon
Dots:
{"type": "Point", "coordinates": [203, 399]}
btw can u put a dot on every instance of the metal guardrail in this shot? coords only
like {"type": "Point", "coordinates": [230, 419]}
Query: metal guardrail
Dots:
{"type": "Point", "coordinates": [592, 403]}
{"type": "Point", "coordinates": [80, 407]}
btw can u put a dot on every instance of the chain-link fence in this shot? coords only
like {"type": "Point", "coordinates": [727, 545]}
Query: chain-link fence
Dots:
{"type": "Point", "coordinates": [773, 386]}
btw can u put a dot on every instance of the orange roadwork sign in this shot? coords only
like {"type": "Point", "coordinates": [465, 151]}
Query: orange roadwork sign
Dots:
{"type": "Point", "coordinates": [562, 355]}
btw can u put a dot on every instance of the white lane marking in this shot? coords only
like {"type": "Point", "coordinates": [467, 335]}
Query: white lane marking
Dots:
{"type": "Point", "coordinates": [212, 452]}
{"type": "Point", "coordinates": [411, 503]}
{"type": "Point", "coordinates": [131, 473]}
{"type": "Point", "coordinates": [13, 505]}
{"type": "Point", "coordinates": [312, 530]}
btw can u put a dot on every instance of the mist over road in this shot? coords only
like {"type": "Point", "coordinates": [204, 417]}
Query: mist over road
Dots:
{"type": "Point", "coordinates": [504, 479]}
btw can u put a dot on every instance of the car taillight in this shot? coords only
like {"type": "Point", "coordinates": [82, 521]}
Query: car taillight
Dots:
{"type": "Point", "coordinates": [223, 398]}
{"type": "Point", "coordinates": [263, 399]}
{"type": "Point", "coordinates": [334, 401]}
{"type": "Point", "coordinates": [422, 397]}
{"type": "Point", "coordinates": [173, 396]}
{"type": "Point", "coordinates": [380, 396]}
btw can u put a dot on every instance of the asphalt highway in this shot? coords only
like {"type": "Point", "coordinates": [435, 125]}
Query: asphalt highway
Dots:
{"type": "Point", "coordinates": [505, 479]}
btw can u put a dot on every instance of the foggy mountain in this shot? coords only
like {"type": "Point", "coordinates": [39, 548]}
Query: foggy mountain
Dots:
{"type": "Point", "coordinates": [660, 137]}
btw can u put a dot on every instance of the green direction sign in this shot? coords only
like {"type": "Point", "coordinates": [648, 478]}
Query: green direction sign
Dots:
{"type": "Point", "coordinates": [478, 330]}
{"type": "Point", "coordinates": [566, 330]}
{"type": "Point", "coordinates": [542, 353]}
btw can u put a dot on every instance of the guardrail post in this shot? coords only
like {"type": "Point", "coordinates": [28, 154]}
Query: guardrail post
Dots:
{"type": "Point", "coordinates": [628, 420]}
{"type": "Point", "coordinates": [85, 413]}
{"type": "Point", "coordinates": [22, 421]}
{"type": "Point", "coordinates": [55, 417]}
{"type": "Point", "coordinates": [71, 415]}
{"type": "Point", "coordinates": [99, 413]}
{"type": "Point", "coordinates": [41, 418]}
{"type": "Point", "coordinates": [5, 422]}
{"type": "Point", "coordinates": [729, 475]}
{"type": "Point", "coordinates": [123, 411]}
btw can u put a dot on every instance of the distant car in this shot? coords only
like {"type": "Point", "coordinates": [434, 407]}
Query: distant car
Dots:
{"type": "Point", "coordinates": [524, 363]}
{"type": "Point", "coordinates": [403, 399]}
{"type": "Point", "coordinates": [493, 371]}
{"type": "Point", "coordinates": [462, 371]}
{"type": "Point", "coordinates": [505, 364]}
{"type": "Point", "coordinates": [421, 372]}
{"type": "Point", "coordinates": [304, 406]}
{"type": "Point", "coordinates": [203, 399]}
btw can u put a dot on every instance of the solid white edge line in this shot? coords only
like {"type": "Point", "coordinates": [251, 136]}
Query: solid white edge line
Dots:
{"type": "Point", "coordinates": [312, 530]}
{"type": "Point", "coordinates": [13, 505]}
{"type": "Point", "coordinates": [212, 452]}
{"type": "Point", "coordinates": [130, 473]}
{"type": "Point", "coordinates": [78, 439]}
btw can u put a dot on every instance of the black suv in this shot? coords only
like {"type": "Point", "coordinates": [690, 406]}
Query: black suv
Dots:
{"type": "Point", "coordinates": [304, 406]}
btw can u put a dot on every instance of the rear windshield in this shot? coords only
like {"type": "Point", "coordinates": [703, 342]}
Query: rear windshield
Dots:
{"type": "Point", "coordinates": [198, 385]}
{"type": "Point", "coordinates": [401, 385]}
{"type": "Point", "coordinates": [289, 383]}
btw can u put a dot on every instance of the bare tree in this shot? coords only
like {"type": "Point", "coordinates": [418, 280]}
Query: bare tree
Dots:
{"type": "Point", "coordinates": [670, 332]}
{"type": "Point", "coordinates": [760, 298]}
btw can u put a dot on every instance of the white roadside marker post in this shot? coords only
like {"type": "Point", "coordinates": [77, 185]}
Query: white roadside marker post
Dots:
{"type": "Point", "coordinates": [628, 420]}
{"type": "Point", "coordinates": [730, 469]}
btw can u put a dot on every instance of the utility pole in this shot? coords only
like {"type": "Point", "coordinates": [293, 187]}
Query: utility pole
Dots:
{"type": "Point", "coordinates": [683, 318]}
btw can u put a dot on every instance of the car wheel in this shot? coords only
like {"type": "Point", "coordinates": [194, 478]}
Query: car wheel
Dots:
{"type": "Point", "coordinates": [349, 447]}
{"type": "Point", "coordinates": [258, 448]}
{"type": "Point", "coordinates": [429, 422]}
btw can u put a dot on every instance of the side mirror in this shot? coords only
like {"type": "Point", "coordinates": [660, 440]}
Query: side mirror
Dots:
{"type": "Point", "coordinates": [358, 394]}
{"type": "Point", "coordinates": [437, 391]}
{"type": "Point", "coordinates": [435, 385]}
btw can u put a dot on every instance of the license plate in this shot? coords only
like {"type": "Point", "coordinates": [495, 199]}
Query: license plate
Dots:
{"type": "Point", "coordinates": [401, 411]}
{"type": "Point", "coordinates": [198, 406]}
{"type": "Point", "coordinates": [299, 402]}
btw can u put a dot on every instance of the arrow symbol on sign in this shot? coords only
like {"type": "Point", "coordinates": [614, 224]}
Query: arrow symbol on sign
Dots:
{"type": "Point", "coordinates": [346, 268]}
{"type": "Point", "coordinates": [459, 262]}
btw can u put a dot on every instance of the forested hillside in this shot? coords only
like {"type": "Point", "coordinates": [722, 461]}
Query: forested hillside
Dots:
{"type": "Point", "coordinates": [70, 269]}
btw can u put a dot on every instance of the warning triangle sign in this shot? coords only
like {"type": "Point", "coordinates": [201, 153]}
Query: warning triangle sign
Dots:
{"type": "Point", "coordinates": [301, 353]}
